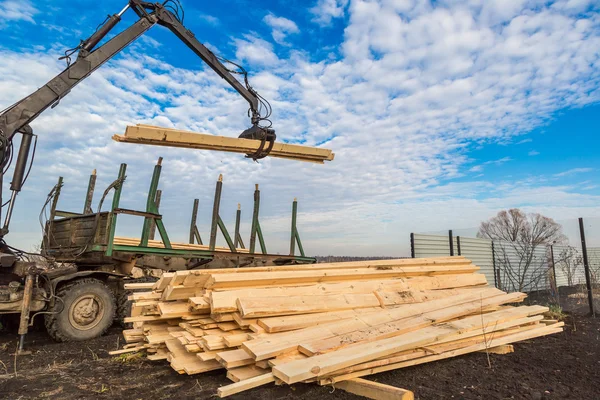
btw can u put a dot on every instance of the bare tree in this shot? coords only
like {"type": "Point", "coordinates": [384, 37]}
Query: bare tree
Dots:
{"type": "Point", "coordinates": [520, 241]}
{"type": "Point", "coordinates": [569, 260]}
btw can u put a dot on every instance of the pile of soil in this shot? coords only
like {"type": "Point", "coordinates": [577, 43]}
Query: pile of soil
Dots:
{"type": "Point", "coordinates": [561, 366]}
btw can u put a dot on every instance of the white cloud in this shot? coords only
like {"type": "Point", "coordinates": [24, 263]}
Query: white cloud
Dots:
{"type": "Point", "coordinates": [12, 10]}
{"type": "Point", "coordinates": [326, 10]}
{"type": "Point", "coordinates": [528, 140]}
{"type": "Point", "coordinates": [533, 153]}
{"type": "Point", "coordinates": [574, 171]}
{"type": "Point", "coordinates": [210, 19]}
{"type": "Point", "coordinates": [256, 51]}
{"type": "Point", "coordinates": [416, 86]}
{"type": "Point", "coordinates": [280, 27]}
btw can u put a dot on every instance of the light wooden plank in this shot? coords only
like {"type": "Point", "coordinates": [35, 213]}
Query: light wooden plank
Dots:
{"type": "Point", "coordinates": [178, 138]}
{"type": "Point", "coordinates": [300, 370]}
{"type": "Point", "coordinates": [374, 390]}
{"type": "Point", "coordinates": [517, 337]}
{"type": "Point", "coordinates": [503, 349]}
{"type": "Point", "coordinates": [254, 307]}
{"type": "Point", "coordinates": [234, 358]}
{"type": "Point", "coordinates": [225, 301]}
{"type": "Point", "coordinates": [275, 344]}
{"type": "Point", "coordinates": [244, 373]}
{"type": "Point", "coordinates": [242, 279]}
{"type": "Point", "coordinates": [244, 385]}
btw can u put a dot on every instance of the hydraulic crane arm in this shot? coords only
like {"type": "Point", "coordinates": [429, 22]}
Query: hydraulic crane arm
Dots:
{"type": "Point", "coordinates": [17, 117]}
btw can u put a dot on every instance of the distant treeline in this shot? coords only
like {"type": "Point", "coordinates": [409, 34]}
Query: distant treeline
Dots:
{"type": "Point", "coordinates": [329, 259]}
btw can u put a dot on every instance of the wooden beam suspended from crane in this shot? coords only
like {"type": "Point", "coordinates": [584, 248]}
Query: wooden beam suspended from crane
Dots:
{"type": "Point", "coordinates": [157, 136]}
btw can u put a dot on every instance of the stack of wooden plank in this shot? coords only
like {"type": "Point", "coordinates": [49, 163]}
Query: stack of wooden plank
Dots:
{"type": "Point", "coordinates": [175, 245]}
{"type": "Point", "coordinates": [327, 323]}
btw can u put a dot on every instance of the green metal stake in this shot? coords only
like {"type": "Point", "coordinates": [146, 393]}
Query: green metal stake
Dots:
{"type": "Point", "coordinates": [152, 207]}
{"type": "Point", "coordinates": [255, 224]}
{"type": "Point", "coordinates": [55, 199]}
{"type": "Point", "coordinates": [50, 222]}
{"type": "Point", "coordinates": [226, 235]}
{"type": "Point", "coordinates": [261, 240]}
{"type": "Point", "coordinates": [113, 216]}
{"type": "Point", "coordinates": [238, 238]}
{"type": "Point", "coordinates": [152, 221]}
{"type": "Point", "coordinates": [87, 207]}
{"type": "Point", "coordinates": [215, 215]}
{"type": "Point", "coordinates": [300, 244]}
{"type": "Point", "coordinates": [293, 234]}
{"type": "Point", "coordinates": [194, 233]}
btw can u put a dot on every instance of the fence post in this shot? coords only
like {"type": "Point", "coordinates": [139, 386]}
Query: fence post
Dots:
{"type": "Point", "coordinates": [412, 245]}
{"type": "Point", "coordinates": [554, 274]}
{"type": "Point", "coordinates": [458, 245]}
{"type": "Point", "coordinates": [496, 275]}
{"type": "Point", "coordinates": [586, 266]}
{"type": "Point", "coordinates": [451, 242]}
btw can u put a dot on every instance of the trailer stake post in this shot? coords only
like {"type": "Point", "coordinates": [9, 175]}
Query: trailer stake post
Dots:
{"type": "Point", "coordinates": [194, 233]}
{"type": "Point", "coordinates": [255, 227]}
{"type": "Point", "coordinates": [238, 242]}
{"type": "Point", "coordinates": [89, 195]}
{"type": "Point", "coordinates": [152, 207]}
{"type": "Point", "coordinates": [295, 236]}
{"type": "Point", "coordinates": [215, 214]}
{"type": "Point", "coordinates": [153, 221]}
{"type": "Point", "coordinates": [115, 205]}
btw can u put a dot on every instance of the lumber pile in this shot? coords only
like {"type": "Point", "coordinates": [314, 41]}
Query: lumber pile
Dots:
{"type": "Point", "coordinates": [157, 136]}
{"type": "Point", "coordinates": [327, 323]}
{"type": "Point", "coordinates": [126, 241]}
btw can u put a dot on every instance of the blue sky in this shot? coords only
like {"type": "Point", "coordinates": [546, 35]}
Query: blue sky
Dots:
{"type": "Point", "coordinates": [441, 113]}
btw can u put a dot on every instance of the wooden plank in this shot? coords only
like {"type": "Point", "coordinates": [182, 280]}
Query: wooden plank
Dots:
{"type": "Point", "coordinates": [503, 349]}
{"type": "Point", "coordinates": [125, 351]}
{"type": "Point", "coordinates": [300, 370]}
{"type": "Point", "coordinates": [244, 385]}
{"type": "Point", "coordinates": [235, 340]}
{"type": "Point", "coordinates": [374, 390]}
{"type": "Point", "coordinates": [225, 301]}
{"type": "Point", "coordinates": [138, 286]}
{"type": "Point", "coordinates": [275, 344]}
{"type": "Point", "coordinates": [199, 304]}
{"type": "Point", "coordinates": [398, 327]}
{"type": "Point", "coordinates": [163, 281]}
{"type": "Point", "coordinates": [241, 279]}
{"type": "Point", "coordinates": [234, 358]}
{"type": "Point", "coordinates": [517, 337]}
{"type": "Point", "coordinates": [208, 355]}
{"type": "Point", "coordinates": [173, 309]}
{"type": "Point", "coordinates": [152, 135]}
{"type": "Point", "coordinates": [179, 246]}
{"type": "Point", "coordinates": [294, 322]}
{"type": "Point", "coordinates": [439, 347]}
{"type": "Point", "coordinates": [243, 373]}
{"type": "Point", "coordinates": [253, 307]}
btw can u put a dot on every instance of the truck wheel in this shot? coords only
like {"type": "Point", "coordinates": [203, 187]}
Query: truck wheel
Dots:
{"type": "Point", "coordinates": [86, 311]}
{"type": "Point", "coordinates": [124, 309]}
{"type": "Point", "coordinates": [124, 304]}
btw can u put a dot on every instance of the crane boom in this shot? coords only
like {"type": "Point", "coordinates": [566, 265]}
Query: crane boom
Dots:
{"type": "Point", "coordinates": [90, 57]}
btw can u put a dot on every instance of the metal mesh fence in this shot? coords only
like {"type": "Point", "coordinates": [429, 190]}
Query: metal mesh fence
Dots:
{"type": "Point", "coordinates": [554, 271]}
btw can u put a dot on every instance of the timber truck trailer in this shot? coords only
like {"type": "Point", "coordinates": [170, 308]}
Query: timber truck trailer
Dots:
{"type": "Point", "coordinates": [77, 301]}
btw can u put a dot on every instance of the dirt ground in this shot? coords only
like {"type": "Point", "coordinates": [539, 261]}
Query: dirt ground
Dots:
{"type": "Point", "coordinates": [564, 366]}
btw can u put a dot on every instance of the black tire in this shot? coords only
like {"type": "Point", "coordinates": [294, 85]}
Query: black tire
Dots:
{"type": "Point", "coordinates": [124, 309]}
{"type": "Point", "coordinates": [124, 305]}
{"type": "Point", "coordinates": [86, 311]}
